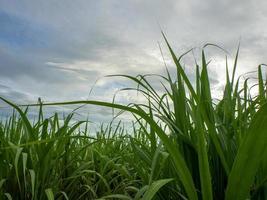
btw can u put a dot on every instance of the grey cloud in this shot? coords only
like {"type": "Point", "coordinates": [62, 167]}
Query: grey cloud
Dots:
{"type": "Point", "coordinates": [11, 93]}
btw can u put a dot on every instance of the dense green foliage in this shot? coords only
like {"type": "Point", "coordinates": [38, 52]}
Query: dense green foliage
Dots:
{"type": "Point", "coordinates": [184, 145]}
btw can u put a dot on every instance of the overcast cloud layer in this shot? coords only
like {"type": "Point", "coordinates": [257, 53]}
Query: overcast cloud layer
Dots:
{"type": "Point", "coordinates": [57, 49]}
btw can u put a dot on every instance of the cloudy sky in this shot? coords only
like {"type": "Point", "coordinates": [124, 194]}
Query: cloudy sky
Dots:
{"type": "Point", "coordinates": [57, 49]}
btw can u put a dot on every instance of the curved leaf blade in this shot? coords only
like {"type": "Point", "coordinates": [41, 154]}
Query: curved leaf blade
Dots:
{"type": "Point", "coordinates": [248, 158]}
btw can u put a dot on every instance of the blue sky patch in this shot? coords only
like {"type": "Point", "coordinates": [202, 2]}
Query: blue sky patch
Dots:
{"type": "Point", "coordinates": [20, 33]}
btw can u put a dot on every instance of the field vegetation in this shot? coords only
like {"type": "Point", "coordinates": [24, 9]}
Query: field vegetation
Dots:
{"type": "Point", "coordinates": [183, 144]}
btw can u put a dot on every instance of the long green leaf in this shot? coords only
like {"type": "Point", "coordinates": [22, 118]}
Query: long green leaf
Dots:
{"type": "Point", "coordinates": [154, 188]}
{"type": "Point", "coordinates": [248, 158]}
{"type": "Point", "coordinates": [49, 194]}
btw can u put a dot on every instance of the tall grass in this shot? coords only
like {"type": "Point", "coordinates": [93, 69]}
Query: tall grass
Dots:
{"type": "Point", "coordinates": [184, 145]}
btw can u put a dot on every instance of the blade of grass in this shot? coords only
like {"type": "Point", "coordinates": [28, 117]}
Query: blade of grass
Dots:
{"type": "Point", "coordinates": [248, 157]}
{"type": "Point", "coordinates": [154, 187]}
